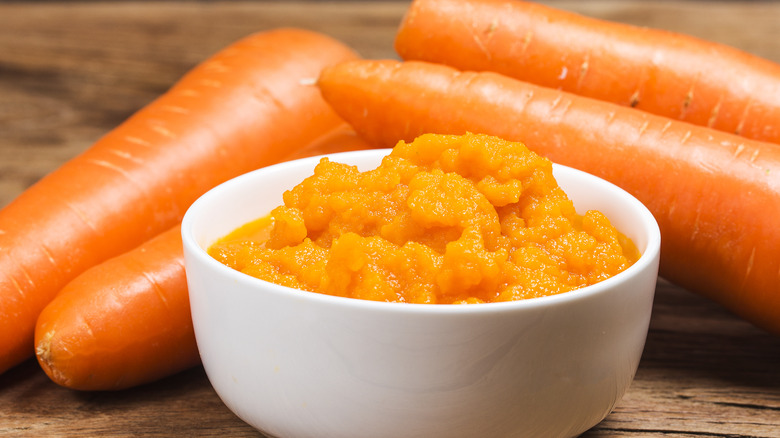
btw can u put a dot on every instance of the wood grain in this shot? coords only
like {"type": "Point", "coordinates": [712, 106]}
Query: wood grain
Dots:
{"type": "Point", "coordinates": [69, 72]}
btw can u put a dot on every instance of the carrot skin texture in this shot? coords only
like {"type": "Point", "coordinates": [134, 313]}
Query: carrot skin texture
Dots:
{"type": "Point", "coordinates": [122, 322]}
{"type": "Point", "coordinates": [231, 114]}
{"type": "Point", "coordinates": [664, 73]}
{"type": "Point", "coordinates": [126, 321]}
{"type": "Point", "coordinates": [716, 196]}
{"type": "Point", "coordinates": [341, 139]}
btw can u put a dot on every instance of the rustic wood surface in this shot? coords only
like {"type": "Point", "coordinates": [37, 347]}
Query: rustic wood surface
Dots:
{"type": "Point", "coordinates": [69, 72]}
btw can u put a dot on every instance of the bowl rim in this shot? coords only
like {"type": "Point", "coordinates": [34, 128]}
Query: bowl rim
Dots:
{"type": "Point", "coordinates": [647, 259]}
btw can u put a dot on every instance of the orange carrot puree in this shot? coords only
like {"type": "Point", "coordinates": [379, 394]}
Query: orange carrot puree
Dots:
{"type": "Point", "coordinates": [444, 219]}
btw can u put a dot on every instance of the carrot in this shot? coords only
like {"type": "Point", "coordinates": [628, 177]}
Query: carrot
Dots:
{"type": "Point", "coordinates": [235, 112]}
{"type": "Point", "coordinates": [662, 72]}
{"type": "Point", "coordinates": [121, 323]}
{"type": "Point", "coordinates": [342, 139]}
{"type": "Point", "coordinates": [127, 321]}
{"type": "Point", "coordinates": [716, 196]}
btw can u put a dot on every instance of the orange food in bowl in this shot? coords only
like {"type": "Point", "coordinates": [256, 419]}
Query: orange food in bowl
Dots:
{"type": "Point", "coordinates": [443, 220]}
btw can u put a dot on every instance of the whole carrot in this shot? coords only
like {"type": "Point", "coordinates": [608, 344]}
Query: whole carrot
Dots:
{"type": "Point", "coordinates": [716, 196]}
{"type": "Point", "coordinates": [664, 73]}
{"type": "Point", "coordinates": [127, 321]}
{"type": "Point", "coordinates": [235, 112]}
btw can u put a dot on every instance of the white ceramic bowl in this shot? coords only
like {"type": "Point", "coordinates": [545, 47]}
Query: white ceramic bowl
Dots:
{"type": "Point", "coordinates": [301, 364]}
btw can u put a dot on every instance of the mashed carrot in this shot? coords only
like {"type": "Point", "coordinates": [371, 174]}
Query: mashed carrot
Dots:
{"type": "Point", "coordinates": [444, 219]}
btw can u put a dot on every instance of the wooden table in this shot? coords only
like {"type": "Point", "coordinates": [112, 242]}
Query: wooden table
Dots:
{"type": "Point", "coordinates": [69, 72]}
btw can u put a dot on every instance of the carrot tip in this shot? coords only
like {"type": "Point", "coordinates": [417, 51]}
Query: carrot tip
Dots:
{"type": "Point", "coordinates": [43, 349]}
{"type": "Point", "coordinates": [44, 354]}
